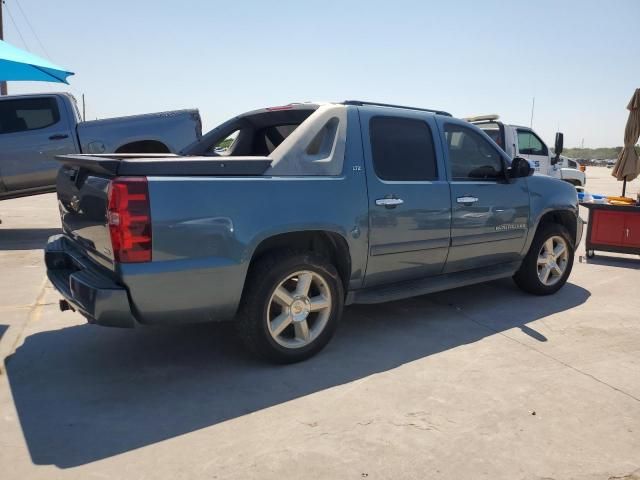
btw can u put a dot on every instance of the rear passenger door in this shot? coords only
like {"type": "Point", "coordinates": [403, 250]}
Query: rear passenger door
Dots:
{"type": "Point", "coordinates": [409, 201]}
{"type": "Point", "coordinates": [32, 132]}
{"type": "Point", "coordinates": [490, 215]}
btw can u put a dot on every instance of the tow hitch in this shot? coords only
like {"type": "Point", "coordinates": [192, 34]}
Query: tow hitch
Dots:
{"type": "Point", "coordinates": [64, 306]}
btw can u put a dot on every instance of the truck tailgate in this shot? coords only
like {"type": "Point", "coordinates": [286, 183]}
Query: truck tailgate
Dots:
{"type": "Point", "coordinates": [82, 200]}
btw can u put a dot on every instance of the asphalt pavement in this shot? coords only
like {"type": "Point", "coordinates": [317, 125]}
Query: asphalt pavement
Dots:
{"type": "Point", "coordinates": [478, 382]}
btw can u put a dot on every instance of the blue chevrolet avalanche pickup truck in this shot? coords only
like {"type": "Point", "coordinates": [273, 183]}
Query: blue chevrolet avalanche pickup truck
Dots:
{"type": "Point", "coordinates": [279, 217]}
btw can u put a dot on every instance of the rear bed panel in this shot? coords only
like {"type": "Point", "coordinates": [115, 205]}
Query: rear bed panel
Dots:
{"type": "Point", "coordinates": [205, 231]}
{"type": "Point", "coordinates": [82, 200]}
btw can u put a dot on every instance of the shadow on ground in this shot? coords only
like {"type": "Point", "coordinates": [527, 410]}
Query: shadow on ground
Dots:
{"type": "Point", "coordinates": [25, 238]}
{"type": "Point", "coordinates": [84, 393]}
{"type": "Point", "coordinates": [610, 260]}
{"type": "Point", "coordinates": [3, 329]}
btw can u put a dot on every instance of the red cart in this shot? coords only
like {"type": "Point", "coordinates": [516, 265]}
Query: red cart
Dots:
{"type": "Point", "coordinates": [612, 228]}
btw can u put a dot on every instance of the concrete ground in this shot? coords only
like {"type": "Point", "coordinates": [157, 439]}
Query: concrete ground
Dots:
{"type": "Point", "coordinates": [478, 382]}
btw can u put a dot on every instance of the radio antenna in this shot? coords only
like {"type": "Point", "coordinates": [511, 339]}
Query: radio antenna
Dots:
{"type": "Point", "coordinates": [533, 106]}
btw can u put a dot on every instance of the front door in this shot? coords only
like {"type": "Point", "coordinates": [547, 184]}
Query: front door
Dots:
{"type": "Point", "coordinates": [489, 215]}
{"type": "Point", "coordinates": [531, 147]}
{"type": "Point", "coordinates": [32, 132]}
{"type": "Point", "coordinates": [409, 201]}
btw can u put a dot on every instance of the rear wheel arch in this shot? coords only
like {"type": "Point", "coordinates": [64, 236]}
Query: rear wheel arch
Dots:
{"type": "Point", "coordinates": [330, 245]}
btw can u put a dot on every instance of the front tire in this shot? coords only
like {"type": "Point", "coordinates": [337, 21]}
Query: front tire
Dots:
{"type": "Point", "coordinates": [291, 306]}
{"type": "Point", "coordinates": [547, 265]}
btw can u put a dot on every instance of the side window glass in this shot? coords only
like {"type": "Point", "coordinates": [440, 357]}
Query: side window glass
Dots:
{"type": "Point", "coordinates": [530, 144]}
{"type": "Point", "coordinates": [402, 149]}
{"type": "Point", "coordinates": [224, 146]}
{"type": "Point", "coordinates": [471, 156]}
{"type": "Point", "coordinates": [24, 114]}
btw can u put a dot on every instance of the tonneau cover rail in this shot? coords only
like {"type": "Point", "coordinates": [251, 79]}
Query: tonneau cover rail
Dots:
{"type": "Point", "coordinates": [159, 165]}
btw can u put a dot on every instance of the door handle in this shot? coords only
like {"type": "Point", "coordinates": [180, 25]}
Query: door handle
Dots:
{"type": "Point", "coordinates": [467, 200]}
{"type": "Point", "coordinates": [389, 202]}
{"type": "Point", "coordinates": [58, 136]}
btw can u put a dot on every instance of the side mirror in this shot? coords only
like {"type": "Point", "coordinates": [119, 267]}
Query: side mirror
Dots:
{"type": "Point", "coordinates": [559, 143]}
{"type": "Point", "coordinates": [520, 167]}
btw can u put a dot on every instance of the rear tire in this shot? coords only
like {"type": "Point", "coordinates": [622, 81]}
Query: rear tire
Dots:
{"type": "Point", "coordinates": [547, 265]}
{"type": "Point", "coordinates": [290, 307]}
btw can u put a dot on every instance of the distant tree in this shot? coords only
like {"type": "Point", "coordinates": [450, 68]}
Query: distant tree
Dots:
{"type": "Point", "coordinates": [226, 143]}
{"type": "Point", "coordinates": [595, 153]}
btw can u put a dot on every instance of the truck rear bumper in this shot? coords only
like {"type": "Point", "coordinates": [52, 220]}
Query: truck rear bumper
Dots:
{"type": "Point", "coordinates": [88, 290]}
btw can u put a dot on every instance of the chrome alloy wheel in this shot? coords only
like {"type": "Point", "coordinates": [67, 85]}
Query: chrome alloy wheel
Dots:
{"type": "Point", "coordinates": [299, 309]}
{"type": "Point", "coordinates": [552, 260]}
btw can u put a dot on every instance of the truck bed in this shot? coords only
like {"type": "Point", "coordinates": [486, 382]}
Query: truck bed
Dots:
{"type": "Point", "coordinates": [163, 164]}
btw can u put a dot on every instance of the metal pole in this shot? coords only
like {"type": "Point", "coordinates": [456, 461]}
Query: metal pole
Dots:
{"type": "Point", "coordinates": [533, 106]}
{"type": "Point", "coordinates": [3, 85]}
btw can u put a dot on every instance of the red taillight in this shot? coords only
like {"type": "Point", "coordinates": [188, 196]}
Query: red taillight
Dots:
{"type": "Point", "coordinates": [129, 219]}
{"type": "Point", "coordinates": [281, 107]}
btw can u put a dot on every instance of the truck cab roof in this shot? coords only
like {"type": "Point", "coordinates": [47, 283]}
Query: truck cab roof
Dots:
{"type": "Point", "coordinates": [66, 95]}
{"type": "Point", "coordinates": [259, 132]}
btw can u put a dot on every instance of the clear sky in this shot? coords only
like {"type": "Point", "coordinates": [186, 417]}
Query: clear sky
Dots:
{"type": "Point", "coordinates": [579, 58]}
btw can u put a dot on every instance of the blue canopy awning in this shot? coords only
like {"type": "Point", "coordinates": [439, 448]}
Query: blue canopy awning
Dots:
{"type": "Point", "coordinates": [16, 64]}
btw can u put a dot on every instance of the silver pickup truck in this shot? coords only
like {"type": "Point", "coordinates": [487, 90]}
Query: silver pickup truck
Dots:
{"type": "Point", "coordinates": [35, 128]}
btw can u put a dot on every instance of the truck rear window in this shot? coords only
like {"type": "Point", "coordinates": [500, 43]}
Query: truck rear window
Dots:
{"type": "Point", "coordinates": [256, 134]}
{"type": "Point", "coordinates": [268, 139]}
{"type": "Point", "coordinates": [494, 131]}
{"type": "Point", "coordinates": [494, 134]}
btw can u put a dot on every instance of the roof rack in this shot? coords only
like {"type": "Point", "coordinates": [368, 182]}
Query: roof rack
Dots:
{"type": "Point", "coordinates": [376, 104]}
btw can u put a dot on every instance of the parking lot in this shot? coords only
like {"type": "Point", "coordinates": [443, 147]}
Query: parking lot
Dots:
{"type": "Point", "coordinates": [478, 382]}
